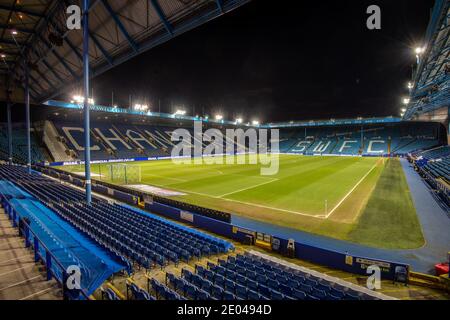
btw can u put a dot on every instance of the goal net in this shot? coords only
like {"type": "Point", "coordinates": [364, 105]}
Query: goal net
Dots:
{"type": "Point", "coordinates": [122, 173]}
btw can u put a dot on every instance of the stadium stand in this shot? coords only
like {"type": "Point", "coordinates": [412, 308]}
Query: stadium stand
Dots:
{"type": "Point", "coordinates": [129, 141]}
{"type": "Point", "coordinates": [254, 276]}
{"type": "Point", "coordinates": [434, 167]}
{"type": "Point", "coordinates": [19, 144]}
{"type": "Point", "coordinates": [397, 139]}
{"type": "Point", "coordinates": [130, 237]}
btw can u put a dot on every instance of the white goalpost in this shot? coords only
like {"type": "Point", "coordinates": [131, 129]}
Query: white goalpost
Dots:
{"type": "Point", "coordinates": [123, 173]}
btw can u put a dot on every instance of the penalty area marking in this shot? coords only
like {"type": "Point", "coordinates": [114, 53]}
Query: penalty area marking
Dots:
{"type": "Point", "coordinates": [248, 188]}
{"type": "Point", "coordinates": [320, 216]}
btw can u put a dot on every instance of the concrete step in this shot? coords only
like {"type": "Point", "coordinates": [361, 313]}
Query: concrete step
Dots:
{"type": "Point", "coordinates": [20, 277]}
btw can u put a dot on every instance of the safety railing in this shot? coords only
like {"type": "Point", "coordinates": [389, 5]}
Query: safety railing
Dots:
{"type": "Point", "coordinates": [53, 267]}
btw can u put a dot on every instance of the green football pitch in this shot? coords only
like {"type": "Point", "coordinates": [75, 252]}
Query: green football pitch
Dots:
{"type": "Point", "coordinates": [363, 200]}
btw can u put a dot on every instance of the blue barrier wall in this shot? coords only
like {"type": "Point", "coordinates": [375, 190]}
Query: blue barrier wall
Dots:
{"type": "Point", "coordinates": [332, 259]}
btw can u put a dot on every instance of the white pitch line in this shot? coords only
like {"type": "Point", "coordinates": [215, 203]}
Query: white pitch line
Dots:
{"type": "Point", "coordinates": [248, 188]}
{"type": "Point", "coordinates": [157, 176]}
{"type": "Point", "coordinates": [351, 191]}
{"type": "Point", "coordinates": [273, 208]}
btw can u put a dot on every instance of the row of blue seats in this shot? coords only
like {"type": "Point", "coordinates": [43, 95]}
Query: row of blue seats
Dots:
{"type": "Point", "coordinates": [128, 235]}
{"type": "Point", "coordinates": [137, 293]}
{"type": "Point", "coordinates": [163, 292]}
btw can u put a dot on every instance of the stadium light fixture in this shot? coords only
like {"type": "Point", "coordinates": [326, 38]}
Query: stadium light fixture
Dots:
{"type": "Point", "coordinates": [255, 122]}
{"type": "Point", "coordinates": [180, 112]}
{"type": "Point", "coordinates": [403, 110]}
{"type": "Point", "coordinates": [419, 50]}
{"type": "Point", "coordinates": [219, 117]}
{"type": "Point", "coordinates": [14, 32]}
{"type": "Point", "coordinates": [406, 101]}
{"type": "Point", "coordinates": [78, 98]}
{"type": "Point", "coordinates": [410, 85]}
{"type": "Point", "coordinates": [239, 120]}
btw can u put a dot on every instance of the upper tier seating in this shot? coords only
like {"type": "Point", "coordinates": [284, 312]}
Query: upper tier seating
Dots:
{"type": "Point", "coordinates": [131, 236]}
{"type": "Point", "coordinates": [370, 140]}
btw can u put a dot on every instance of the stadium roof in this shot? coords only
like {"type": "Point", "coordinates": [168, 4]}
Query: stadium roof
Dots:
{"type": "Point", "coordinates": [119, 30]}
{"type": "Point", "coordinates": [431, 70]}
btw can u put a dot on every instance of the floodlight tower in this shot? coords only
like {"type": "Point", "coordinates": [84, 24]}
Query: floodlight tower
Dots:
{"type": "Point", "coordinates": [87, 129]}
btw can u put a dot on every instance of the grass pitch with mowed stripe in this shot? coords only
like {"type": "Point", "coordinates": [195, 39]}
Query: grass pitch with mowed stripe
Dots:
{"type": "Point", "coordinates": [364, 200]}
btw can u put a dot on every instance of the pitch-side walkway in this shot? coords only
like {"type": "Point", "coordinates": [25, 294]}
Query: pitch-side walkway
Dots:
{"type": "Point", "coordinates": [434, 220]}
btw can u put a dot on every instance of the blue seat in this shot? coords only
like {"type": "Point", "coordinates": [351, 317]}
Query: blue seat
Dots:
{"type": "Point", "coordinates": [261, 279]}
{"type": "Point", "coordinates": [262, 289]}
{"type": "Point", "coordinates": [272, 284]}
{"type": "Point", "coordinates": [190, 291]}
{"type": "Point", "coordinates": [320, 294]}
{"type": "Point", "coordinates": [252, 285]}
{"type": "Point", "coordinates": [276, 295]}
{"type": "Point", "coordinates": [241, 291]}
{"type": "Point", "coordinates": [349, 296]}
{"type": "Point", "coordinates": [206, 285]}
{"type": "Point", "coordinates": [219, 280]}
{"type": "Point", "coordinates": [241, 279]}
{"type": "Point", "coordinates": [203, 295]}
{"type": "Point", "coordinates": [299, 295]}
{"type": "Point", "coordinates": [310, 282]}
{"type": "Point", "coordinates": [286, 290]}
{"type": "Point", "coordinates": [337, 293]}
{"type": "Point", "coordinates": [228, 296]}
{"type": "Point", "coordinates": [305, 288]}
{"type": "Point", "coordinates": [252, 295]}
{"type": "Point", "coordinates": [216, 292]}
{"type": "Point", "coordinates": [209, 275]}
{"type": "Point", "coordinates": [229, 285]}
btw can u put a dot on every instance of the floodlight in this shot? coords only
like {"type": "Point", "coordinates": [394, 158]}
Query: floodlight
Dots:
{"type": "Point", "coordinates": [410, 85]}
{"type": "Point", "coordinates": [219, 117]}
{"type": "Point", "coordinates": [406, 100]}
{"type": "Point", "coordinates": [180, 112]}
{"type": "Point", "coordinates": [239, 120]}
{"type": "Point", "coordinates": [78, 98]}
{"type": "Point", "coordinates": [255, 122]}
{"type": "Point", "coordinates": [419, 50]}
{"type": "Point", "coordinates": [403, 110]}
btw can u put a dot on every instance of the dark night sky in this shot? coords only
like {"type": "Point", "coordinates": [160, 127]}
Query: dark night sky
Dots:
{"type": "Point", "coordinates": [281, 60]}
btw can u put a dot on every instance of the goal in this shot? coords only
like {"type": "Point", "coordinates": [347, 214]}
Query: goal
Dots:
{"type": "Point", "coordinates": [122, 173]}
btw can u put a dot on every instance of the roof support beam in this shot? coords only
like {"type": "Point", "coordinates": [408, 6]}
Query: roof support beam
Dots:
{"type": "Point", "coordinates": [57, 76]}
{"type": "Point", "coordinates": [162, 16]}
{"type": "Point", "coordinates": [20, 29]}
{"type": "Point", "coordinates": [103, 50]}
{"type": "Point", "coordinates": [21, 10]}
{"type": "Point", "coordinates": [56, 54]}
{"type": "Point", "coordinates": [43, 76]}
{"type": "Point", "coordinates": [120, 25]}
{"type": "Point", "coordinates": [11, 42]}
{"type": "Point", "coordinates": [220, 5]}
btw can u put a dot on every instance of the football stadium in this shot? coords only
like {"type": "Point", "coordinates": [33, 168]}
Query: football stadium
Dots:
{"type": "Point", "coordinates": [177, 202]}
